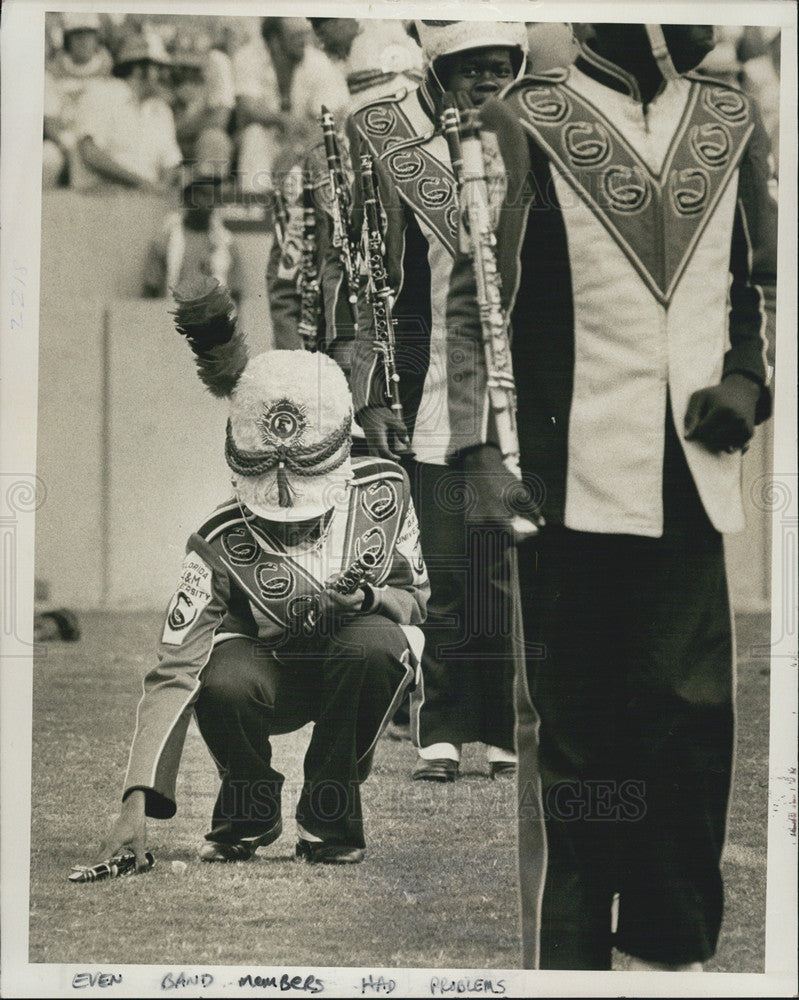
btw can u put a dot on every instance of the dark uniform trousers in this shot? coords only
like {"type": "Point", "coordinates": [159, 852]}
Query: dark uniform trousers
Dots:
{"type": "Point", "coordinates": [632, 682]}
{"type": "Point", "coordinates": [347, 683]}
{"type": "Point", "coordinates": [466, 695]}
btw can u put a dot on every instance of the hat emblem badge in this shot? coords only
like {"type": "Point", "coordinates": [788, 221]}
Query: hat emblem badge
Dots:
{"type": "Point", "coordinates": [282, 423]}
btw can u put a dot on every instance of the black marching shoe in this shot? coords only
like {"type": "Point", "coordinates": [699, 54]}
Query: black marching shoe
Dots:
{"type": "Point", "coordinates": [240, 850]}
{"type": "Point", "coordinates": [439, 769]}
{"type": "Point", "coordinates": [321, 853]}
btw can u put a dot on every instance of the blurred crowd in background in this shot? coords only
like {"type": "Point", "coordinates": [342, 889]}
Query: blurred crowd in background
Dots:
{"type": "Point", "coordinates": [238, 97]}
{"type": "Point", "coordinates": [233, 97]}
{"type": "Point", "coordinates": [216, 109]}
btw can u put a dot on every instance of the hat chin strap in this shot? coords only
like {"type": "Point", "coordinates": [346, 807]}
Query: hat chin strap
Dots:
{"type": "Point", "coordinates": [660, 50]}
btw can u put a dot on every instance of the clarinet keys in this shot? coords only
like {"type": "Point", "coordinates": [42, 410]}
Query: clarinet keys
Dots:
{"type": "Point", "coordinates": [116, 867]}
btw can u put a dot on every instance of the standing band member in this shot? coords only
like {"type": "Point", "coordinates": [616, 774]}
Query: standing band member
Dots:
{"type": "Point", "coordinates": [377, 63]}
{"type": "Point", "coordinates": [634, 235]}
{"type": "Point", "coordinates": [262, 635]}
{"type": "Point", "coordinates": [469, 652]}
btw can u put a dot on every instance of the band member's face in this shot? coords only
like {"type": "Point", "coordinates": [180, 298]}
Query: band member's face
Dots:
{"type": "Point", "coordinates": [480, 73]}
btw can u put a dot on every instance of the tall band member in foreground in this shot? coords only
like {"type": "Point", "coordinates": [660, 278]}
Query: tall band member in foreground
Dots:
{"type": "Point", "coordinates": [468, 663]}
{"type": "Point", "coordinates": [294, 605]}
{"type": "Point", "coordinates": [635, 231]}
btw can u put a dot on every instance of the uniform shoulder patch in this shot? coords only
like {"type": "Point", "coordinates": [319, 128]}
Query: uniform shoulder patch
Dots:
{"type": "Point", "coordinates": [380, 119]}
{"type": "Point", "coordinates": [193, 594]}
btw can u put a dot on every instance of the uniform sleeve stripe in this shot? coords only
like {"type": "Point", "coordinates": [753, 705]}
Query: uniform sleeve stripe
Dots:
{"type": "Point", "coordinates": [367, 469]}
{"type": "Point", "coordinates": [759, 290]}
{"type": "Point", "coordinates": [223, 518]}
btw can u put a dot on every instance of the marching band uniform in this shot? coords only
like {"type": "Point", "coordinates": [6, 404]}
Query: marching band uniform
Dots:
{"type": "Point", "coordinates": [234, 650]}
{"type": "Point", "coordinates": [334, 320]}
{"type": "Point", "coordinates": [377, 64]}
{"type": "Point", "coordinates": [467, 666]}
{"type": "Point", "coordinates": [631, 247]}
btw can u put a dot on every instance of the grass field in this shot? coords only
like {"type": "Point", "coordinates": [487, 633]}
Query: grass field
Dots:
{"type": "Point", "coordinates": [438, 888]}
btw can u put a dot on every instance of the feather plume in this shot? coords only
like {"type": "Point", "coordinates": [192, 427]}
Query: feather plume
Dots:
{"type": "Point", "coordinates": [206, 317]}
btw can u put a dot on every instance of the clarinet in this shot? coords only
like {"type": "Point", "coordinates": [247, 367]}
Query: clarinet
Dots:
{"type": "Point", "coordinates": [381, 296]}
{"type": "Point", "coordinates": [347, 582]}
{"type": "Point", "coordinates": [116, 867]}
{"type": "Point", "coordinates": [308, 326]}
{"type": "Point", "coordinates": [451, 127]}
{"type": "Point", "coordinates": [466, 153]}
{"type": "Point", "coordinates": [341, 207]}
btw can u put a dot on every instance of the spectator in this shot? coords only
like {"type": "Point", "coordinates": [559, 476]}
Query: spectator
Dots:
{"type": "Point", "coordinates": [68, 75]}
{"type": "Point", "coordinates": [203, 92]}
{"type": "Point", "coordinates": [281, 82]}
{"type": "Point", "coordinates": [194, 241]}
{"type": "Point", "coordinates": [377, 57]}
{"type": "Point", "coordinates": [761, 79]}
{"type": "Point", "coordinates": [118, 27]}
{"type": "Point", "coordinates": [83, 55]}
{"type": "Point", "coordinates": [228, 35]}
{"type": "Point", "coordinates": [125, 131]}
{"type": "Point", "coordinates": [723, 62]}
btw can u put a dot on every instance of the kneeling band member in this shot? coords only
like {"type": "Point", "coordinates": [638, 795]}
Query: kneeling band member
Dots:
{"type": "Point", "coordinates": [273, 624]}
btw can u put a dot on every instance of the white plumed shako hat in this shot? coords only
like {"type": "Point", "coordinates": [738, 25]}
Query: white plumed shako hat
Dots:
{"type": "Point", "coordinates": [289, 435]}
{"type": "Point", "coordinates": [446, 38]}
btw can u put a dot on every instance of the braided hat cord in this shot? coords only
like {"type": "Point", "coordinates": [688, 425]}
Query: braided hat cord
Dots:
{"type": "Point", "coordinates": [303, 460]}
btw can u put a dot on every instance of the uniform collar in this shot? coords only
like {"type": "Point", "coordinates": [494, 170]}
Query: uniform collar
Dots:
{"type": "Point", "coordinates": [606, 72]}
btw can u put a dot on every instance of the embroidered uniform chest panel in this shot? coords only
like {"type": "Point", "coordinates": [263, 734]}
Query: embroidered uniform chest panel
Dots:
{"type": "Point", "coordinates": [655, 216]}
{"type": "Point", "coordinates": [280, 584]}
{"type": "Point", "coordinates": [401, 136]}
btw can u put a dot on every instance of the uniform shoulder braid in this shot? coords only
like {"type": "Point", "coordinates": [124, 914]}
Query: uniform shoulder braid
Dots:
{"type": "Point", "coordinates": [366, 470]}
{"type": "Point", "coordinates": [403, 144]}
{"type": "Point", "coordinates": [531, 81]}
{"type": "Point", "coordinates": [696, 77]}
{"type": "Point", "coordinates": [396, 98]}
{"type": "Point", "coordinates": [225, 516]}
